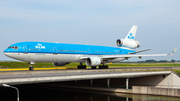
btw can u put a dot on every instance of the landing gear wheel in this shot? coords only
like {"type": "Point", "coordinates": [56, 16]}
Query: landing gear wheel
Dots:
{"type": "Point", "coordinates": [106, 66]}
{"type": "Point", "coordinates": [81, 66]}
{"type": "Point", "coordinates": [93, 67]}
{"type": "Point", "coordinates": [101, 67]}
{"type": "Point", "coordinates": [31, 68]}
{"type": "Point", "coordinates": [78, 67]}
{"type": "Point", "coordinates": [84, 67]}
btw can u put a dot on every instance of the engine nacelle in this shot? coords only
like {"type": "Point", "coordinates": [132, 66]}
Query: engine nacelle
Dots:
{"type": "Point", "coordinates": [93, 61]}
{"type": "Point", "coordinates": [128, 43]}
{"type": "Point", "coordinates": [60, 63]}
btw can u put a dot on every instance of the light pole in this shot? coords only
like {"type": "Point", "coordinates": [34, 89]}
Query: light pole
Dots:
{"type": "Point", "coordinates": [5, 85]}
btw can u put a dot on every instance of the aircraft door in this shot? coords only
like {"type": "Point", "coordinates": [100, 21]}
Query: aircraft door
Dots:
{"type": "Point", "coordinates": [25, 49]}
{"type": "Point", "coordinates": [89, 51]}
{"type": "Point", "coordinates": [26, 56]}
{"type": "Point", "coordinates": [54, 51]}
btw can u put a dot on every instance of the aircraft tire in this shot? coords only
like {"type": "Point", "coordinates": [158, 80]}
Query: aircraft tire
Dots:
{"type": "Point", "coordinates": [31, 68]}
{"type": "Point", "coordinates": [93, 67]}
{"type": "Point", "coordinates": [78, 67]}
{"type": "Point", "coordinates": [107, 67]}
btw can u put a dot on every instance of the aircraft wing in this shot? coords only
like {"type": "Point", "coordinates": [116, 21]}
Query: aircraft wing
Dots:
{"type": "Point", "coordinates": [130, 55]}
{"type": "Point", "coordinates": [126, 56]}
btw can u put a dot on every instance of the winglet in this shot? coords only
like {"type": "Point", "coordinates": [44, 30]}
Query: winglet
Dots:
{"type": "Point", "coordinates": [173, 51]}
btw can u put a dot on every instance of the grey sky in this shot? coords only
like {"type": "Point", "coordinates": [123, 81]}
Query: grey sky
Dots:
{"type": "Point", "coordinates": [97, 22]}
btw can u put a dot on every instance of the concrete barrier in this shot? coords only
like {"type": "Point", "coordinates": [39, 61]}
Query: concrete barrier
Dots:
{"type": "Point", "coordinates": [156, 91]}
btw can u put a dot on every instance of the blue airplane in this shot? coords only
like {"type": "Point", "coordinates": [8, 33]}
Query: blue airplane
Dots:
{"type": "Point", "coordinates": [61, 53]}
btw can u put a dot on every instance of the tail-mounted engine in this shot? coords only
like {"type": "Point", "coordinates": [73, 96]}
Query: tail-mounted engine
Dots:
{"type": "Point", "coordinates": [127, 43]}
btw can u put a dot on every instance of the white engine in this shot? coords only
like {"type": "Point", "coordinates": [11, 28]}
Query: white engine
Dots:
{"type": "Point", "coordinates": [93, 61]}
{"type": "Point", "coordinates": [129, 40]}
{"type": "Point", "coordinates": [128, 43]}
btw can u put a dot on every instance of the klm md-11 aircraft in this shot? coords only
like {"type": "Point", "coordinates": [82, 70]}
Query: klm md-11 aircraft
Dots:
{"type": "Point", "coordinates": [61, 54]}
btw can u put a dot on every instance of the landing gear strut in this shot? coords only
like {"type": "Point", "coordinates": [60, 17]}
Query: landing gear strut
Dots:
{"type": "Point", "coordinates": [31, 68]}
{"type": "Point", "coordinates": [81, 66]}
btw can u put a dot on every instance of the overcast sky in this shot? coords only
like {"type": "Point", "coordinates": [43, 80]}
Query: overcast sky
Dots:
{"type": "Point", "coordinates": [96, 22]}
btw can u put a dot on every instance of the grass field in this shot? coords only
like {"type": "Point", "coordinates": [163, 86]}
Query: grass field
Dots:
{"type": "Point", "coordinates": [177, 71]}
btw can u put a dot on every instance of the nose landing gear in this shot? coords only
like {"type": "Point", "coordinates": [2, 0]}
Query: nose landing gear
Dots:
{"type": "Point", "coordinates": [31, 68]}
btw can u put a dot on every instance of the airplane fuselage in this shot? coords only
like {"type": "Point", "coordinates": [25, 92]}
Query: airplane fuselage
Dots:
{"type": "Point", "coordinates": [60, 52]}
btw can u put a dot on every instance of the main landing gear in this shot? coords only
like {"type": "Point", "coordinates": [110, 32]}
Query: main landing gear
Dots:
{"type": "Point", "coordinates": [93, 67]}
{"type": "Point", "coordinates": [103, 67]}
{"type": "Point", "coordinates": [31, 68]}
{"type": "Point", "coordinates": [81, 66]}
{"type": "Point", "coordinates": [100, 67]}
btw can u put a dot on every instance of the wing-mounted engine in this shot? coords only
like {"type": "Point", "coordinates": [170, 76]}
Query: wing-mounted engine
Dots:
{"type": "Point", "coordinates": [129, 39]}
{"type": "Point", "coordinates": [128, 43]}
{"type": "Point", "coordinates": [60, 63]}
{"type": "Point", "coordinates": [93, 61]}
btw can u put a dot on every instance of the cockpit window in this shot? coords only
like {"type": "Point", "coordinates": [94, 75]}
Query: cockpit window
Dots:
{"type": "Point", "coordinates": [13, 47]}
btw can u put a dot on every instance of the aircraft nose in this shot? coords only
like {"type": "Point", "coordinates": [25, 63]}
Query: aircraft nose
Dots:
{"type": "Point", "coordinates": [6, 52]}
